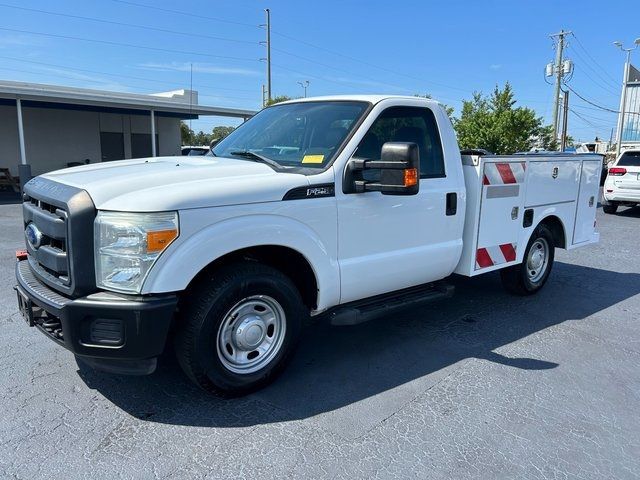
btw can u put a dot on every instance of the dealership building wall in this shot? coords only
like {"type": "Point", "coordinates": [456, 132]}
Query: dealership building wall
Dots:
{"type": "Point", "coordinates": [55, 137]}
{"type": "Point", "coordinates": [59, 126]}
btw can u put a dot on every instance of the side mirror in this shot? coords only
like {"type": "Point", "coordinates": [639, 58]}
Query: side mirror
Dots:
{"type": "Point", "coordinates": [214, 142]}
{"type": "Point", "coordinates": [399, 167]}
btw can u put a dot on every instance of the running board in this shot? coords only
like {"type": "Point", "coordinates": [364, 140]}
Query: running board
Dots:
{"type": "Point", "coordinates": [364, 310]}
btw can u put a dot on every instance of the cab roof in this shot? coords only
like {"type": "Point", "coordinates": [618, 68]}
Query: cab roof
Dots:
{"type": "Point", "coordinates": [360, 98]}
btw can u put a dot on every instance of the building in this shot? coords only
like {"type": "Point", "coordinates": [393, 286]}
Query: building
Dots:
{"type": "Point", "coordinates": [629, 126]}
{"type": "Point", "coordinates": [49, 127]}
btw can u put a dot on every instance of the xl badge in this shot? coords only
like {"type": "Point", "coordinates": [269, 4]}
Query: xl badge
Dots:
{"type": "Point", "coordinates": [34, 236]}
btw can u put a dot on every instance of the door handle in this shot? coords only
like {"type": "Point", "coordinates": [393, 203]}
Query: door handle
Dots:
{"type": "Point", "coordinates": [452, 204]}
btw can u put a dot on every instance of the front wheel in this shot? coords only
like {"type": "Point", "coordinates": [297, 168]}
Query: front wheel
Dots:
{"type": "Point", "coordinates": [238, 328]}
{"type": "Point", "coordinates": [530, 276]}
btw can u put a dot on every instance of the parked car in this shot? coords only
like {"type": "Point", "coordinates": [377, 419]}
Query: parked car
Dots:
{"type": "Point", "coordinates": [194, 151]}
{"type": "Point", "coordinates": [622, 186]}
{"type": "Point", "coordinates": [346, 207]}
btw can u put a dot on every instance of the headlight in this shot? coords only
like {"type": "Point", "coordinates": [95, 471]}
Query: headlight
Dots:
{"type": "Point", "coordinates": [128, 244]}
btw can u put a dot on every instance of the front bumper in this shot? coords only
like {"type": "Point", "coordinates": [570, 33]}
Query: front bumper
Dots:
{"type": "Point", "coordinates": [113, 332]}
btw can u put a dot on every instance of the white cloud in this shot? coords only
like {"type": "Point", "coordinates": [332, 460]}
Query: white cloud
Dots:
{"type": "Point", "coordinates": [67, 77]}
{"type": "Point", "coordinates": [198, 68]}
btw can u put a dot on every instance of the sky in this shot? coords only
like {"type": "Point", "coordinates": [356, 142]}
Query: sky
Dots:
{"type": "Point", "coordinates": [447, 49]}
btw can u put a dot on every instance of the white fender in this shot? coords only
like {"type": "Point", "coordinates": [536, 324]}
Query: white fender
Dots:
{"type": "Point", "coordinates": [184, 259]}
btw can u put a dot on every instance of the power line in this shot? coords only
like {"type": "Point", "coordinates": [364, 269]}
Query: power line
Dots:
{"type": "Point", "coordinates": [104, 81]}
{"type": "Point", "coordinates": [604, 86]}
{"type": "Point", "coordinates": [128, 45]}
{"type": "Point", "coordinates": [338, 69]}
{"type": "Point", "coordinates": [98, 72]}
{"type": "Point", "coordinates": [593, 59]}
{"type": "Point", "coordinates": [385, 69]}
{"type": "Point", "coordinates": [187, 14]}
{"type": "Point", "coordinates": [595, 118]}
{"type": "Point", "coordinates": [590, 102]}
{"type": "Point", "coordinates": [593, 109]}
{"type": "Point", "coordinates": [441, 85]}
{"type": "Point", "coordinates": [600, 127]}
{"type": "Point", "coordinates": [132, 25]}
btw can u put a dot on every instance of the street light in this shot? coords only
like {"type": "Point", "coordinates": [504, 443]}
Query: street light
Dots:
{"type": "Point", "coordinates": [305, 84]}
{"type": "Point", "coordinates": [624, 89]}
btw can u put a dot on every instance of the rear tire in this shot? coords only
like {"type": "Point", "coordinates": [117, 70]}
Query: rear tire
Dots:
{"type": "Point", "coordinates": [530, 276]}
{"type": "Point", "coordinates": [238, 328]}
{"type": "Point", "coordinates": [610, 208]}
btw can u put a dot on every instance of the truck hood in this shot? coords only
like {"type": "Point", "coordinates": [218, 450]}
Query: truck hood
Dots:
{"type": "Point", "coordinates": [176, 183]}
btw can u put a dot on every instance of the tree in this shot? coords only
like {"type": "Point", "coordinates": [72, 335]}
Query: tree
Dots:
{"type": "Point", "coordinates": [221, 131]}
{"type": "Point", "coordinates": [189, 137]}
{"type": "Point", "coordinates": [278, 99]}
{"type": "Point", "coordinates": [495, 124]}
{"type": "Point", "coordinates": [186, 134]}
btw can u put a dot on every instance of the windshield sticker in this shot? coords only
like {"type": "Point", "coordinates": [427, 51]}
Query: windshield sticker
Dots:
{"type": "Point", "coordinates": [313, 159]}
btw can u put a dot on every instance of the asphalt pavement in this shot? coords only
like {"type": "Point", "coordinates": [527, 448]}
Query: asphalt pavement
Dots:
{"type": "Point", "coordinates": [486, 385]}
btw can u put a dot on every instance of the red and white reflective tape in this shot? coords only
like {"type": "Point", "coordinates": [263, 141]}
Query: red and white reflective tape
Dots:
{"type": "Point", "coordinates": [503, 173]}
{"type": "Point", "coordinates": [490, 256]}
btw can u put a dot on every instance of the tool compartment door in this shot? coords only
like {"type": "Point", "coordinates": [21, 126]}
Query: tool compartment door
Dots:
{"type": "Point", "coordinates": [500, 214]}
{"type": "Point", "coordinates": [587, 201]}
{"type": "Point", "coordinates": [551, 182]}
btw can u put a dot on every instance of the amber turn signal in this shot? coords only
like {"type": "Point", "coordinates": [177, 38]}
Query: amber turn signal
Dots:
{"type": "Point", "coordinates": [410, 177]}
{"type": "Point", "coordinates": [158, 241]}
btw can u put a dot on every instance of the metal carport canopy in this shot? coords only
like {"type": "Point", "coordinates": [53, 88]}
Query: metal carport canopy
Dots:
{"type": "Point", "coordinates": [82, 96]}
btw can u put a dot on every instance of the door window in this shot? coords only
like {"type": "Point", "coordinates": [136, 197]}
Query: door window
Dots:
{"type": "Point", "coordinates": [405, 124]}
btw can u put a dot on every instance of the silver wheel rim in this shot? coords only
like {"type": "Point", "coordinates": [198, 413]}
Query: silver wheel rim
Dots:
{"type": "Point", "coordinates": [537, 260]}
{"type": "Point", "coordinates": [251, 334]}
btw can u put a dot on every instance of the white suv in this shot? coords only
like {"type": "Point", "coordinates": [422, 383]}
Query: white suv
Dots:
{"type": "Point", "coordinates": [622, 186]}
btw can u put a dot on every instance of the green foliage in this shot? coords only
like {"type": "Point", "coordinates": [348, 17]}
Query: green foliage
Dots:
{"type": "Point", "coordinates": [495, 124]}
{"type": "Point", "coordinates": [185, 134]}
{"type": "Point", "coordinates": [278, 99]}
{"type": "Point", "coordinates": [189, 137]}
{"type": "Point", "coordinates": [220, 132]}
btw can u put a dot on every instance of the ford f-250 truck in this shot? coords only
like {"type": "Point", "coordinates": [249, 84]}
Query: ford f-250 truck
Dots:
{"type": "Point", "coordinates": [344, 206]}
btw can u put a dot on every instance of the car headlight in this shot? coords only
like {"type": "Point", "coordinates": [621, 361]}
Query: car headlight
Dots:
{"type": "Point", "coordinates": [128, 244]}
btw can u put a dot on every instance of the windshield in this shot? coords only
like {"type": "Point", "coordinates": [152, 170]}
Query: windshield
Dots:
{"type": "Point", "coordinates": [629, 159]}
{"type": "Point", "coordinates": [303, 135]}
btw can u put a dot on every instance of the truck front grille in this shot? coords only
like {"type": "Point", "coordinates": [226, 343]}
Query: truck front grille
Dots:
{"type": "Point", "coordinates": [50, 255]}
{"type": "Point", "coordinates": [58, 223]}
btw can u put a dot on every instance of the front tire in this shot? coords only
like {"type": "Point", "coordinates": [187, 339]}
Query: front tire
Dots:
{"type": "Point", "coordinates": [530, 276]}
{"type": "Point", "coordinates": [238, 328]}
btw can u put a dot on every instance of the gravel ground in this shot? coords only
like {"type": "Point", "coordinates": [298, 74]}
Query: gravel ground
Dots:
{"type": "Point", "coordinates": [483, 386]}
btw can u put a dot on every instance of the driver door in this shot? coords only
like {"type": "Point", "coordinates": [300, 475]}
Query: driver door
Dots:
{"type": "Point", "coordinates": [389, 242]}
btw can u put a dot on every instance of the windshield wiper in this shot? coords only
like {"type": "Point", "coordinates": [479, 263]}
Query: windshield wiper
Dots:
{"type": "Point", "coordinates": [256, 157]}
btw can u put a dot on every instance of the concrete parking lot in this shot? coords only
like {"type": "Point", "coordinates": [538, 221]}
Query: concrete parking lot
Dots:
{"type": "Point", "coordinates": [486, 385]}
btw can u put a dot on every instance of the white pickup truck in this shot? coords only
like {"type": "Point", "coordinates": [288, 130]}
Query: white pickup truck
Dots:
{"type": "Point", "coordinates": [349, 207]}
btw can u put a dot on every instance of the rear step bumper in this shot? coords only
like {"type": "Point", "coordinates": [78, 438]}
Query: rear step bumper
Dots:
{"type": "Point", "coordinates": [364, 310]}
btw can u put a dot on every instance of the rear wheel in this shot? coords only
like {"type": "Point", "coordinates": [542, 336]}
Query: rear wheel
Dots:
{"type": "Point", "coordinates": [610, 208]}
{"type": "Point", "coordinates": [239, 328]}
{"type": "Point", "coordinates": [530, 276]}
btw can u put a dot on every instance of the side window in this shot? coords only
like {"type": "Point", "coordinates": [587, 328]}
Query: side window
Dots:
{"type": "Point", "coordinates": [406, 124]}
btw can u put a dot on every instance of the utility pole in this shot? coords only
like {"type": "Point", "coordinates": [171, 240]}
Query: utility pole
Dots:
{"type": "Point", "coordinates": [558, 71]}
{"type": "Point", "coordinates": [565, 117]}
{"type": "Point", "coordinates": [268, 45]}
{"type": "Point", "coordinates": [304, 85]}
{"type": "Point", "coordinates": [623, 100]}
{"type": "Point", "coordinates": [264, 96]}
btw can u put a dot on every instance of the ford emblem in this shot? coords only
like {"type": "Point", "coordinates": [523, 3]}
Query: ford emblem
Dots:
{"type": "Point", "coordinates": [34, 236]}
